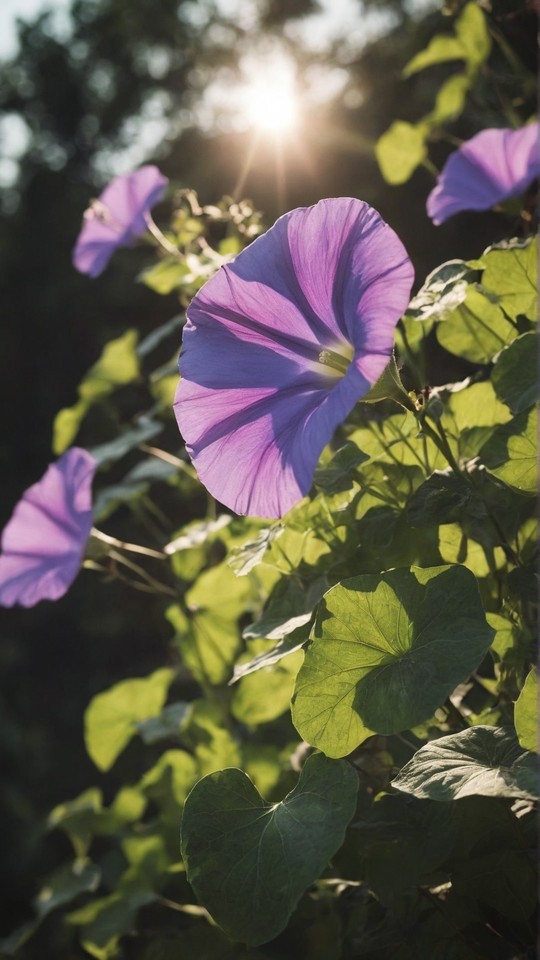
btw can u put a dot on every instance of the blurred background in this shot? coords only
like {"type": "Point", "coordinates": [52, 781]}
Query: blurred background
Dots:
{"type": "Point", "coordinates": [280, 101]}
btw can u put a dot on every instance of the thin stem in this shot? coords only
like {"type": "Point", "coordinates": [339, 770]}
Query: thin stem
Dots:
{"type": "Point", "coordinates": [161, 238]}
{"type": "Point", "coordinates": [430, 167]}
{"type": "Point", "coordinates": [169, 458]}
{"type": "Point", "coordinates": [123, 545]}
{"type": "Point", "coordinates": [440, 441]}
{"type": "Point", "coordinates": [417, 368]}
{"type": "Point", "coordinates": [156, 585]}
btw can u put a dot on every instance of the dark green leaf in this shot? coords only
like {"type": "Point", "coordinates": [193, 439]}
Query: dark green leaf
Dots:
{"type": "Point", "coordinates": [167, 724]}
{"type": "Point", "coordinates": [486, 761]}
{"type": "Point", "coordinates": [344, 462]}
{"type": "Point", "coordinates": [144, 430]}
{"type": "Point", "coordinates": [515, 373]}
{"type": "Point", "coordinates": [153, 339]}
{"type": "Point", "coordinates": [250, 861]}
{"type": "Point", "coordinates": [444, 498]}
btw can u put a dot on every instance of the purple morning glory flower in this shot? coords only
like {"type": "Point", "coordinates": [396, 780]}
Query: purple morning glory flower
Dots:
{"type": "Point", "coordinates": [117, 218]}
{"type": "Point", "coordinates": [43, 542]}
{"type": "Point", "coordinates": [493, 165]}
{"type": "Point", "coordinates": [279, 346]}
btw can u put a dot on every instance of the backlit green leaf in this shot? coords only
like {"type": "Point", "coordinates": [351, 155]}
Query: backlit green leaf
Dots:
{"type": "Point", "coordinates": [249, 861]}
{"type": "Point", "coordinates": [385, 653]}
{"type": "Point", "coordinates": [511, 453]}
{"type": "Point", "coordinates": [477, 330]}
{"type": "Point", "coordinates": [440, 49]}
{"type": "Point", "coordinates": [511, 277]}
{"type": "Point", "coordinates": [472, 32]}
{"type": "Point", "coordinates": [111, 718]}
{"type": "Point", "coordinates": [526, 713]}
{"type": "Point", "coordinates": [400, 151]}
{"type": "Point", "coordinates": [263, 695]}
{"type": "Point", "coordinates": [450, 99]}
{"type": "Point", "coordinates": [165, 276]}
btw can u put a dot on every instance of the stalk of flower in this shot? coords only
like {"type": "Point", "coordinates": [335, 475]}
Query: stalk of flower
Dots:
{"type": "Point", "coordinates": [281, 344]}
{"type": "Point", "coordinates": [119, 215]}
{"type": "Point", "coordinates": [488, 168]}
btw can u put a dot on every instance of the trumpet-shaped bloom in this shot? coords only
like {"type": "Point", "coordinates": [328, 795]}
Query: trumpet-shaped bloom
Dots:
{"type": "Point", "coordinates": [279, 346]}
{"type": "Point", "coordinates": [117, 218]}
{"type": "Point", "coordinates": [43, 542]}
{"type": "Point", "coordinates": [493, 165]}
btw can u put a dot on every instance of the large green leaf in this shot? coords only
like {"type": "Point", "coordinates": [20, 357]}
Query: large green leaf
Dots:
{"type": "Point", "coordinates": [477, 329]}
{"type": "Point", "coordinates": [400, 151]}
{"type": "Point", "coordinates": [385, 653]}
{"type": "Point", "coordinates": [526, 713]}
{"type": "Point", "coordinates": [117, 366]}
{"type": "Point", "coordinates": [249, 861]}
{"type": "Point", "coordinates": [515, 373]}
{"type": "Point", "coordinates": [111, 718]}
{"type": "Point", "coordinates": [486, 761]}
{"type": "Point", "coordinates": [207, 642]}
{"type": "Point", "coordinates": [511, 277]}
{"type": "Point", "coordinates": [511, 452]}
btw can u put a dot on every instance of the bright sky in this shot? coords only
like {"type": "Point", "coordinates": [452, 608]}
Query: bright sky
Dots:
{"type": "Point", "coordinates": [225, 103]}
{"type": "Point", "coordinates": [317, 30]}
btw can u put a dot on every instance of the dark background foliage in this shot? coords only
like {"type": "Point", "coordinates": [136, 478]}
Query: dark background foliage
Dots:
{"type": "Point", "coordinates": [84, 99]}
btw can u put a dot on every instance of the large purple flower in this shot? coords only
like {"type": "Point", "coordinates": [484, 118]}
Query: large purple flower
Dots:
{"type": "Point", "coordinates": [117, 218]}
{"type": "Point", "coordinates": [43, 542]}
{"type": "Point", "coordinates": [279, 346]}
{"type": "Point", "coordinates": [493, 165]}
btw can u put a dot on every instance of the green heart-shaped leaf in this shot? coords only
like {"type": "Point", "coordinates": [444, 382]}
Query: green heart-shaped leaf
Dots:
{"type": "Point", "coordinates": [486, 761]}
{"type": "Point", "coordinates": [250, 861]}
{"type": "Point", "coordinates": [386, 651]}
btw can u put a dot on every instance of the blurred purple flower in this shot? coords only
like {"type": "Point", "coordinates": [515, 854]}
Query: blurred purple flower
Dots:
{"type": "Point", "coordinates": [43, 542]}
{"type": "Point", "coordinates": [117, 218]}
{"type": "Point", "coordinates": [279, 346]}
{"type": "Point", "coordinates": [493, 165]}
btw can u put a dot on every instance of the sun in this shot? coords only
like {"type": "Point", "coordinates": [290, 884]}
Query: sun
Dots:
{"type": "Point", "coordinates": [270, 105]}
